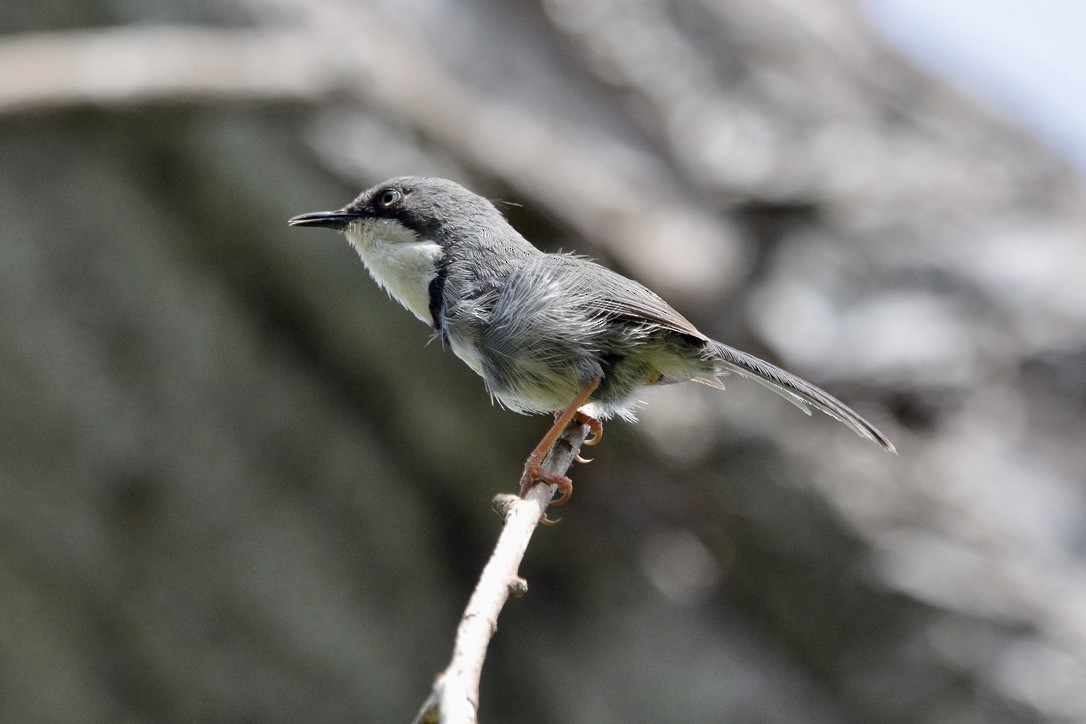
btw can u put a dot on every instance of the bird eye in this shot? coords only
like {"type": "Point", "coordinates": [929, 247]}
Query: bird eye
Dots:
{"type": "Point", "coordinates": [389, 198]}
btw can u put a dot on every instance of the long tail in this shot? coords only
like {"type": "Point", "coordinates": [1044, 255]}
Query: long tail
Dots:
{"type": "Point", "coordinates": [798, 391]}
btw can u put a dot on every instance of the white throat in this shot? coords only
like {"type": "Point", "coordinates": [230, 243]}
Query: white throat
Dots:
{"type": "Point", "coordinates": [399, 260]}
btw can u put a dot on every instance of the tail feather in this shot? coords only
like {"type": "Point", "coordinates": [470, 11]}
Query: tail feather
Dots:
{"type": "Point", "coordinates": [799, 392]}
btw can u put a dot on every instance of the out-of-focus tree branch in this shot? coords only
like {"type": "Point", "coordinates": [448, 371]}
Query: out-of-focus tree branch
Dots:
{"type": "Point", "coordinates": [637, 215]}
{"type": "Point", "coordinates": [135, 66]}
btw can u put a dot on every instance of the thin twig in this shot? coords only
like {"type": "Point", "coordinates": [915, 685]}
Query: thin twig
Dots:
{"type": "Point", "coordinates": [455, 696]}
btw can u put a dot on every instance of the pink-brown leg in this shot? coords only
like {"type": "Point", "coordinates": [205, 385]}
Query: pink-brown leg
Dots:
{"type": "Point", "coordinates": [534, 473]}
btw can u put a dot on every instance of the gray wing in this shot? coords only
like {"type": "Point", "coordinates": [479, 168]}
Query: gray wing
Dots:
{"type": "Point", "coordinates": [612, 295]}
{"type": "Point", "coordinates": [615, 295]}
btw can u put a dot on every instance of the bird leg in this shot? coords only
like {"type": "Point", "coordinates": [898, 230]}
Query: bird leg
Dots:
{"type": "Point", "coordinates": [534, 473]}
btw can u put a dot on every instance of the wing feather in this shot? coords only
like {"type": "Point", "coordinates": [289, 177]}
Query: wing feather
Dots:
{"type": "Point", "coordinates": [613, 295]}
{"type": "Point", "coordinates": [617, 296]}
{"type": "Point", "coordinates": [796, 390]}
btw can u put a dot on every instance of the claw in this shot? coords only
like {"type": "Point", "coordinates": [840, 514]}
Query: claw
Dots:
{"type": "Point", "coordinates": [534, 475]}
{"type": "Point", "coordinates": [595, 427]}
{"type": "Point", "coordinates": [580, 459]}
{"type": "Point", "coordinates": [564, 493]}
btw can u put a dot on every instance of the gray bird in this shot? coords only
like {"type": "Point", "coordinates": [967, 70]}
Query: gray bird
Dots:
{"type": "Point", "coordinates": [548, 333]}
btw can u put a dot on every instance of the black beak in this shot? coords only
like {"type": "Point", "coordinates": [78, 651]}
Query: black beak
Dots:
{"type": "Point", "coordinates": [327, 219]}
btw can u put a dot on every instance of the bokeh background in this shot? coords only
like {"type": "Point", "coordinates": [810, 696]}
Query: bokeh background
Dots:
{"type": "Point", "coordinates": [237, 484]}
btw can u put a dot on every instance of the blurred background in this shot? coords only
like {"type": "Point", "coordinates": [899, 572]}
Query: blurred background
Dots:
{"type": "Point", "coordinates": [237, 484]}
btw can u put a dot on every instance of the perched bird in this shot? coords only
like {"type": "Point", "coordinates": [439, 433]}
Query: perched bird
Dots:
{"type": "Point", "coordinates": [548, 333]}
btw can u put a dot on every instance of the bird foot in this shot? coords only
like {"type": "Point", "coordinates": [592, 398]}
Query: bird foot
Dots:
{"type": "Point", "coordinates": [534, 474]}
{"type": "Point", "coordinates": [533, 468]}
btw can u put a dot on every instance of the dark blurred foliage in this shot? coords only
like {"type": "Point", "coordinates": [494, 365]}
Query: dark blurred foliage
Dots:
{"type": "Point", "coordinates": [239, 485]}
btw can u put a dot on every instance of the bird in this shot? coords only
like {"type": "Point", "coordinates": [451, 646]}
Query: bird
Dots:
{"type": "Point", "coordinates": [549, 333]}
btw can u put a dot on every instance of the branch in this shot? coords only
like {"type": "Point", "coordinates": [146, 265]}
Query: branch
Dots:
{"type": "Point", "coordinates": [455, 696]}
{"type": "Point", "coordinates": [133, 66]}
